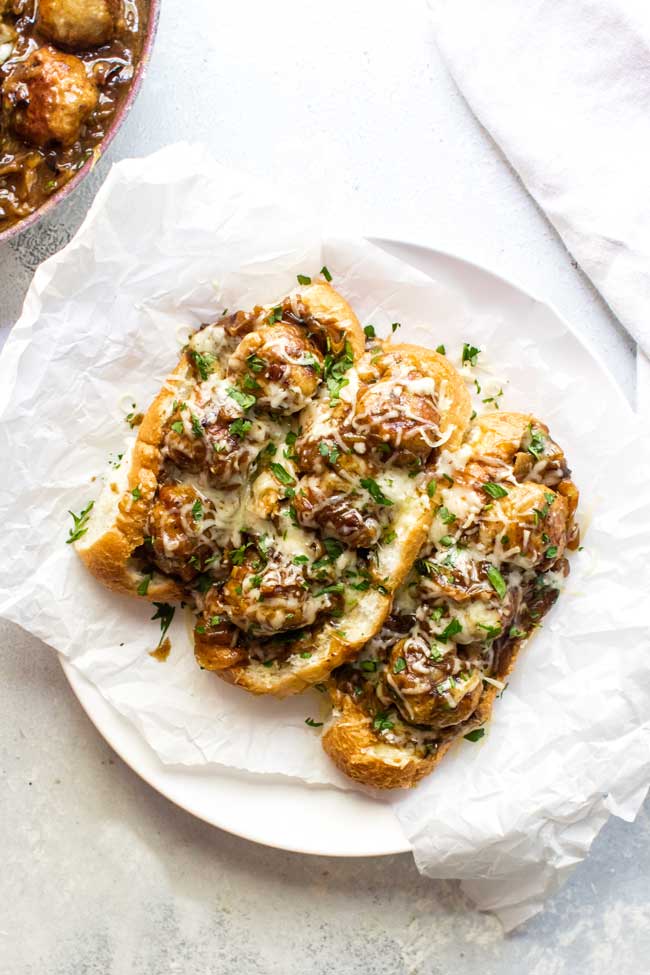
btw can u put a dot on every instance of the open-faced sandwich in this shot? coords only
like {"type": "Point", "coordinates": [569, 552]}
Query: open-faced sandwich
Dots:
{"type": "Point", "coordinates": [280, 484]}
{"type": "Point", "coordinates": [325, 504]}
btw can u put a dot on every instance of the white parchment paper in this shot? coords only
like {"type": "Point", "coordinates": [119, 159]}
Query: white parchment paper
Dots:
{"type": "Point", "coordinates": [170, 242]}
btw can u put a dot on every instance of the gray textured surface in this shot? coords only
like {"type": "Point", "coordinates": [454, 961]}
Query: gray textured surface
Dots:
{"type": "Point", "coordinates": [101, 875]}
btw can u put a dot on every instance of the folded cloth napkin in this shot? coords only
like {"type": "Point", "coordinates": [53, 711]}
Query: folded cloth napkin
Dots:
{"type": "Point", "coordinates": [563, 86]}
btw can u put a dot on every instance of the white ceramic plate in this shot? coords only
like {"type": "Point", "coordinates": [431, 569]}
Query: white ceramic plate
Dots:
{"type": "Point", "coordinates": [279, 811]}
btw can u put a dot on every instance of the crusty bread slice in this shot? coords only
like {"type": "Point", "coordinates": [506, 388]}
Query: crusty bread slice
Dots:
{"type": "Point", "coordinates": [338, 642]}
{"type": "Point", "coordinates": [352, 744]}
{"type": "Point", "coordinates": [118, 521]}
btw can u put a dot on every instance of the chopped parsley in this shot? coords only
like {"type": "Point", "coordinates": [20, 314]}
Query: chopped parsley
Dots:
{"type": "Point", "coordinates": [326, 274]}
{"type": "Point", "coordinates": [451, 629]}
{"type": "Point", "coordinates": [496, 581]}
{"type": "Point", "coordinates": [382, 722]}
{"type": "Point", "coordinates": [432, 486]}
{"type": "Point", "coordinates": [400, 665]}
{"type": "Point", "coordinates": [240, 427]}
{"type": "Point", "coordinates": [435, 653]}
{"type": "Point", "coordinates": [197, 510]}
{"type": "Point", "coordinates": [312, 723]}
{"type": "Point", "coordinates": [470, 354]}
{"type": "Point", "coordinates": [375, 491]}
{"type": "Point", "coordinates": [447, 541]}
{"type": "Point", "coordinates": [437, 614]}
{"type": "Point", "coordinates": [237, 555]}
{"type": "Point", "coordinates": [300, 559]}
{"type": "Point", "coordinates": [495, 490]}
{"type": "Point", "coordinates": [178, 428]}
{"type": "Point", "coordinates": [80, 523]}
{"type": "Point", "coordinates": [491, 632]}
{"type": "Point", "coordinates": [537, 442]}
{"type": "Point", "coordinates": [204, 362]}
{"type": "Point", "coordinates": [143, 587]}
{"type": "Point", "coordinates": [445, 515]}
{"type": "Point", "coordinates": [303, 279]}
{"type": "Point", "coordinates": [370, 666]}
{"type": "Point", "coordinates": [516, 633]}
{"type": "Point", "coordinates": [329, 451]}
{"type": "Point", "coordinates": [276, 315]}
{"type": "Point", "coordinates": [551, 552]}
{"type": "Point", "coordinates": [475, 735]}
{"type": "Point", "coordinates": [440, 349]}
{"type": "Point", "coordinates": [282, 474]}
{"type": "Point", "coordinates": [335, 370]}
{"type": "Point", "coordinates": [196, 426]}
{"type": "Point", "coordinates": [369, 331]}
{"type": "Point", "coordinates": [335, 587]}
{"type": "Point", "coordinates": [136, 493]}
{"type": "Point", "coordinates": [245, 400]}
{"type": "Point", "coordinates": [394, 327]}
{"type": "Point", "coordinates": [164, 613]}
{"type": "Point", "coordinates": [255, 364]}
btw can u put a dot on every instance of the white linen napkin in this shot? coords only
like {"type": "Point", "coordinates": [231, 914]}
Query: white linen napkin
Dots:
{"type": "Point", "coordinates": [563, 86]}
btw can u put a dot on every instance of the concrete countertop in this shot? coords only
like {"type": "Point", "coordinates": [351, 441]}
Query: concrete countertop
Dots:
{"type": "Point", "coordinates": [351, 105]}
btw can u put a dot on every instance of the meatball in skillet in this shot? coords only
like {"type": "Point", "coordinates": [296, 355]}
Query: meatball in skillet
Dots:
{"type": "Point", "coordinates": [79, 24]}
{"type": "Point", "coordinates": [48, 97]}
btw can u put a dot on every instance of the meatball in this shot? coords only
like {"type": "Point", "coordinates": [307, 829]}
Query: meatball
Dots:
{"type": "Point", "coordinates": [279, 366]}
{"type": "Point", "coordinates": [531, 519]}
{"type": "Point", "coordinates": [48, 97]}
{"type": "Point", "coordinates": [217, 443]}
{"type": "Point", "coordinates": [513, 440]}
{"type": "Point", "coordinates": [177, 518]}
{"type": "Point", "coordinates": [272, 597]}
{"type": "Point", "coordinates": [396, 420]}
{"type": "Point", "coordinates": [326, 503]}
{"type": "Point", "coordinates": [79, 24]}
{"type": "Point", "coordinates": [436, 693]}
{"type": "Point", "coordinates": [215, 638]}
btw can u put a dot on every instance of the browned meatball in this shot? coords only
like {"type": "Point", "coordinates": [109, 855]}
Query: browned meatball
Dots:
{"type": "Point", "coordinates": [390, 415]}
{"type": "Point", "coordinates": [79, 24]}
{"type": "Point", "coordinates": [48, 97]}
{"type": "Point", "coordinates": [437, 693]}
{"type": "Point", "coordinates": [211, 444]}
{"type": "Point", "coordinates": [270, 598]}
{"type": "Point", "coordinates": [531, 518]}
{"type": "Point", "coordinates": [215, 638]}
{"type": "Point", "coordinates": [279, 366]}
{"type": "Point", "coordinates": [326, 503]}
{"type": "Point", "coordinates": [179, 545]}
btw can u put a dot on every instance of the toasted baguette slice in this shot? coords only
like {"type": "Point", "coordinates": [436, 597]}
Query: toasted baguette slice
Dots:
{"type": "Point", "coordinates": [313, 657]}
{"type": "Point", "coordinates": [487, 574]}
{"type": "Point", "coordinates": [111, 547]}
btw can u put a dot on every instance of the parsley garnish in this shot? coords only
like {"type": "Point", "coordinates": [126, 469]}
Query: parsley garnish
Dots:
{"type": "Point", "coordinates": [197, 510]}
{"type": "Point", "coordinates": [475, 735]}
{"type": "Point", "coordinates": [329, 451]}
{"type": "Point", "coordinates": [335, 587]}
{"type": "Point", "coordinates": [311, 722]}
{"type": "Point", "coordinates": [282, 474]}
{"type": "Point", "coordinates": [80, 523]}
{"type": "Point", "coordinates": [494, 490]}
{"type": "Point", "coordinates": [370, 666]}
{"type": "Point", "coordinates": [303, 279]}
{"type": "Point", "coordinates": [375, 491]}
{"type": "Point", "coordinates": [369, 331]}
{"type": "Point", "coordinates": [491, 632]}
{"type": "Point", "coordinates": [537, 442]}
{"type": "Point", "coordinates": [237, 555]}
{"type": "Point", "coordinates": [394, 327]}
{"type": "Point", "coordinates": [470, 353]}
{"type": "Point", "coordinates": [335, 370]}
{"type": "Point", "coordinates": [496, 581]}
{"type": "Point", "coordinates": [255, 364]}
{"type": "Point", "coordinates": [446, 540]}
{"type": "Point", "coordinates": [196, 425]}
{"type": "Point", "coordinates": [240, 427]}
{"type": "Point", "coordinates": [136, 493]}
{"type": "Point", "coordinates": [382, 722]}
{"type": "Point", "coordinates": [326, 274]}
{"type": "Point", "coordinates": [300, 559]}
{"type": "Point", "coordinates": [441, 350]}
{"type": "Point", "coordinates": [143, 587]}
{"type": "Point", "coordinates": [204, 363]}
{"type": "Point", "coordinates": [551, 552]}
{"type": "Point", "coordinates": [431, 488]}
{"type": "Point", "coordinates": [164, 613]}
{"type": "Point", "coordinates": [446, 515]}
{"type": "Point", "coordinates": [178, 427]}
{"type": "Point", "coordinates": [400, 665]}
{"type": "Point", "coordinates": [451, 629]}
{"type": "Point", "coordinates": [245, 400]}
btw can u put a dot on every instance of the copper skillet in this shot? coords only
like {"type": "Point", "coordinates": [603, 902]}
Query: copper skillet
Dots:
{"type": "Point", "coordinates": [68, 188]}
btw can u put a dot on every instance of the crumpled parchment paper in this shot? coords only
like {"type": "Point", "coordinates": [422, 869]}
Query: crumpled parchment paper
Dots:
{"type": "Point", "coordinates": [170, 242]}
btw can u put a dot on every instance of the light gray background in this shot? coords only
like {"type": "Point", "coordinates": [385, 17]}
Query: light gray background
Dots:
{"type": "Point", "coordinates": [101, 875]}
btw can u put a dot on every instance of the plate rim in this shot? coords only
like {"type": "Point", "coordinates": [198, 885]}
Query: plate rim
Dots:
{"type": "Point", "coordinates": [77, 680]}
